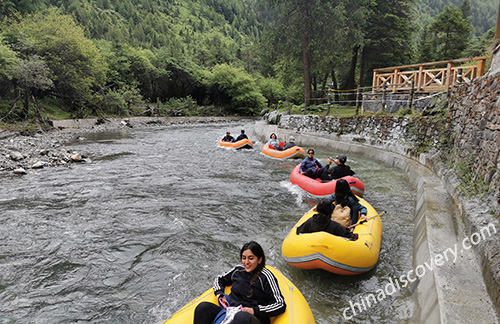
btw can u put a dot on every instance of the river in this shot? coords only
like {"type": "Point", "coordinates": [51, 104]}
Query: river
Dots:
{"type": "Point", "coordinates": [159, 212]}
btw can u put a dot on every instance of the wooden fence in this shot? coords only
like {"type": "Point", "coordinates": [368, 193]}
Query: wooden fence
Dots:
{"type": "Point", "coordinates": [428, 77]}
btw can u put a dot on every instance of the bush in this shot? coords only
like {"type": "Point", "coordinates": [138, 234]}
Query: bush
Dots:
{"type": "Point", "coordinates": [181, 107]}
{"type": "Point", "coordinates": [272, 90]}
{"type": "Point", "coordinates": [234, 89]}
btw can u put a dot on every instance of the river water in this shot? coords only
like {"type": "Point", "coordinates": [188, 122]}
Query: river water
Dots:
{"type": "Point", "coordinates": [161, 211]}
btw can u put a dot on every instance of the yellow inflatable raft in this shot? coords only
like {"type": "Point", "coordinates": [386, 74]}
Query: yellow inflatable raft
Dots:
{"type": "Point", "coordinates": [241, 144]}
{"type": "Point", "coordinates": [295, 152]}
{"type": "Point", "coordinates": [336, 254]}
{"type": "Point", "coordinates": [297, 309]}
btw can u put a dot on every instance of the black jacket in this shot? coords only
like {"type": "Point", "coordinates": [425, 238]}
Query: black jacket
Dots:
{"type": "Point", "coordinates": [266, 299]}
{"type": "Point", "coordinates": [336, 172]}
{"type": "Point", "coordinates": [323, 223]}
{"type": "Point", "coordinates": [240, 137]}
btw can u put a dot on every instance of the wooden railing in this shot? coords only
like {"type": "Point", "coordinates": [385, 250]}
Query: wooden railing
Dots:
{"type": "Point", "coordinates": [428, 77]}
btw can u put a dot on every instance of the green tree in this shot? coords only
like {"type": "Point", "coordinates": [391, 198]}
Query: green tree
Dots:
{"type": "Point", "coordinates": [388, 35]}
{"type": "Point", "coordinates": [234, 89]}
{"type": "Point", "coordinates": [316, 33]}
{"type": "Point", "coordinates": [31, 74]}
{"type": "Point", "coordinates": [9, 7]}
{"type": "Point", "coordinates": [450, 33]}
{"type": "Point", "coordinates": [8, 60]}
{"type": "Point", "coordinates": [76, 66]}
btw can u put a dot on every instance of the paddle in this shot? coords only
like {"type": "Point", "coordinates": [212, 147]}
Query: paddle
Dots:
{"type": "Point", "coordinates": [365, 220]}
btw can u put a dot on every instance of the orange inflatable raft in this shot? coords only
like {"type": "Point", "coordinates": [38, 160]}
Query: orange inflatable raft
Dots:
{"type": "Point", "coordinates": [322, 189]}
{"type": "Point", "coordinates": [295, 152]}
{"type": "Point", "coordinates": [241, 144]}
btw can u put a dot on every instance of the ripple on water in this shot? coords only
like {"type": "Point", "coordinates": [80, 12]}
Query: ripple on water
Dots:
{"type": "Point", "coordinates": [146, 227]}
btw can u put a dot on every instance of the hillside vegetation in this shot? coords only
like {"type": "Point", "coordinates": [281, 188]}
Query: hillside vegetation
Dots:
{"type": "Point", "coordinates": [77, 58]}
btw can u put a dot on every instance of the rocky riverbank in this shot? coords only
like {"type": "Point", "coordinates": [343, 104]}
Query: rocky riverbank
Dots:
{"type": "Point", "coordinates": [21, 152]}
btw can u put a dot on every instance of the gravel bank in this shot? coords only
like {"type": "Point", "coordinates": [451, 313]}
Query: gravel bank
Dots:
{"type": "Point", "coordinates": [22, 151]}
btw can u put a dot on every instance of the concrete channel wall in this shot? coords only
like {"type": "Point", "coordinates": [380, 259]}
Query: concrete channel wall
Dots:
{"type": "Point", "coordinates": [454, 290]}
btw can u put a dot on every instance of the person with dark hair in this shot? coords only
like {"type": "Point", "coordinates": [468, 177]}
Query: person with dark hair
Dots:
{"type": "Point", "coordinates": [321, 222]}
{"type": "Point", "coordinates": [290, 144]}
{"type": "Point", "coordinates": [338, 171]}
{"type": "Point", "coordinates": [343, 196]}
{"type": "Point", "coordinates": [228, 138]}
{"type": "Point", "coordinates": [274, 142]}
{"type": "Point", "coordinates": [254, 287]}
{"type": "Point", "coordinates": [241, 136]}
{"type": "Point", "coordinates": [310, 166]}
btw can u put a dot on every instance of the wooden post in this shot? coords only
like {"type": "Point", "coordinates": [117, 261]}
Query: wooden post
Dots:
{"type": "Point", "coordinates": [329, 99]}
{"type": "Point", "coordinates": [480, 67]}
{"type": "Point", "coordinates": [384, 97]}
{"type": "Point", "coordinates": [420, 78]}
{"type": "Point", "coordinates": [375, 81]}
{"type": "Point", "coordinates": [497, 32]}
{"type": "Point", "coordinates": [412, 94]}
{"type": "Point", "coordinates": [358, 101]}
{"type": "Point", "coordinates": [395, 79]}
{"type": "Point", "coordinates": [449, 76]}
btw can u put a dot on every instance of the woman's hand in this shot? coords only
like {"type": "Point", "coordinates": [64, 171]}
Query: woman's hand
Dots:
{"type": "Point", "coordinates": [363, 216]}
{"type": "Point", "coordinates": [248, 310]}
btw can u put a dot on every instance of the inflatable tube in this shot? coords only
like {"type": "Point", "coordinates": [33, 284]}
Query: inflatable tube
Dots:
{"type": "Point", "coordinates": [295, 152]}
{"type": "Point", "coordinates": [322, 189]}
{"type": "Point", "coordinates": [322, 250]}
{"type": "Point", "coordinates": [241, 144]}
{"type": "Point", "coordinates": [297, 309]}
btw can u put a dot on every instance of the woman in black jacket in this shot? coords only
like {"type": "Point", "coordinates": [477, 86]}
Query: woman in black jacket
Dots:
{"type": "Point", "coordinates": [321, 222]}
{"type": "Point", "coordinates": [253, 286]}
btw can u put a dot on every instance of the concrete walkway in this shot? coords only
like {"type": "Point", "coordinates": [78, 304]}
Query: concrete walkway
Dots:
{"type": "Point", "coordinates": [447, 282]}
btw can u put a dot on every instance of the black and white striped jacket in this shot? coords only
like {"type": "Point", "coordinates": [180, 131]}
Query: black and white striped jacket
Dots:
{"type": "Point", "coordinates": [266, 299]}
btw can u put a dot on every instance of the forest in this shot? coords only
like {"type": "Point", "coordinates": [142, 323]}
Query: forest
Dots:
{"type": "Point", "coordinates": [83, 58]}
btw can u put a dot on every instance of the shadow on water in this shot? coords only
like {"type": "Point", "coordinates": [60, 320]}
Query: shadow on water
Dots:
{"type": "Point", "coordinates": [146, 227]}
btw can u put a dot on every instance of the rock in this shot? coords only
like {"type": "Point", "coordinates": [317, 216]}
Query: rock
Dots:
{"type": "Point", "coordinates": [273, 117]}
{"type": "Point", "coordinates": [76, 157]}
{"type": "Point", "coordinates": [38, 165]}
{"type": "Point", "coordinates": [16, 156]}
{"type": "Point", "coordinates": [20, 171]}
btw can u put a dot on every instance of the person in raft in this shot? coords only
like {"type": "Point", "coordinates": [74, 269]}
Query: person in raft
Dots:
{"type": "Point", "coordinates": [310, 166]}
{"type": "Point", "coordinates": [241, 136]}
{"type": "Point", "coordinates": [290, 144]}
{"type": "Point", "coordinates": [228, 138]}
{"type": "Point", "coordinates": [274, 142]}
{"type": "Point", "coordinates": [338, 171]}
{"type": "Point", "coordinates": [254, 287]}
{"type": "Point", "coordinates": [344, 196]}
{"type": "Point", "coordinates": [321, 222]}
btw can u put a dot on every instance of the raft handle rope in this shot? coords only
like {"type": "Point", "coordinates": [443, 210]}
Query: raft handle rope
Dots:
{"type": "Point", "coordinates": [366, 220]}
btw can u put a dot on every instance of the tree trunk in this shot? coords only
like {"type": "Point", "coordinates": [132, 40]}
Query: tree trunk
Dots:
{"type": "Point", "coordinates": [26, 106]}
{"type": "Point", "coordinates": [361, 68]}
{"type": "Point", "coordinates": [306, 61]}
{"type": "Point", "coordinates": [335, 86]}
{"type": "Point", "coordinates": [324, 81]}
{"type": "Point", "coordinates": [351, 77]}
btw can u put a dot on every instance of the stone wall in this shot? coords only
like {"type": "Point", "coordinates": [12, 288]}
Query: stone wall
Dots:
{"type": "Point", "coordinates": [474, 115]}
{"type": "Point", "coordinates": [374, 102]}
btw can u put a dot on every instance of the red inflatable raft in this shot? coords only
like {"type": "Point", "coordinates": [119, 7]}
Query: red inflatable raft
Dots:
{"type": "Point", "coordinates": [321, 189]}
